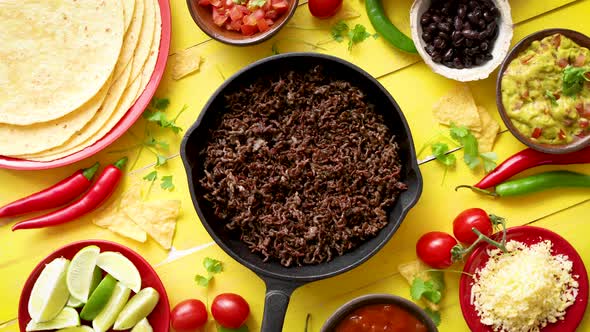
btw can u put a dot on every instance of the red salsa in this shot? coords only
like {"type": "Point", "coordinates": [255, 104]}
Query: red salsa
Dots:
{"type": "Point", "coordinates": [246, 16]}
{"type": "Point", "coordinates": [380, 317]}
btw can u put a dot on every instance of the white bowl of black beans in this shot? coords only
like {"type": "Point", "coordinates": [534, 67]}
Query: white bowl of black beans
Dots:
{"type": "Point", "coordinates": [464, 40]}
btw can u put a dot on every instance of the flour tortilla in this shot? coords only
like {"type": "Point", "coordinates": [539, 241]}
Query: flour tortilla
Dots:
{"type": "Point", "coordinates": [132, 92]}
{"type": "Point", "coordinates": [56, 55]}
{"type": "Point", "coordinates": [131, 38]}
{"type": "Point", "coordinates": [128, 11]}
{"type": "Point", "coordinates": [145, 37]}
{"type": "Point", "coordinates": [17, 140]}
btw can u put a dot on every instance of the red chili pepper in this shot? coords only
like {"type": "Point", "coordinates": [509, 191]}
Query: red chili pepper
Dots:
{"type": "Point", "coordinates": [57, 195]}
{"type": "Point", "coordinates": [529, 158]}
{"type": "Point", "coordinates": [94, 197]}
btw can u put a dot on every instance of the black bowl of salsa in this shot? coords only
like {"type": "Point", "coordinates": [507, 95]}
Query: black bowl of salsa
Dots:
{"type": "Point", "coordinates": [543, 91]}
{"type": "Point", "coordinates": [375, 312]}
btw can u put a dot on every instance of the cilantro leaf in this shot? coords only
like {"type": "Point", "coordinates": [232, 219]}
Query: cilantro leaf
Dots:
{"type": "Point", "coordinates": [551, 97]}
{"type": "Point", "coordinates": [202, 280]}
{"type": "Point", "coordinates": [430, 289]}
{"type": "Point", "coordinates": [152, 176]}
{"type": "Point", "coordinates": [242, 328]}
{"type": "Point", "coordinates": [160, 103]}
{"type": "Point", "coordinates": [439, 151]}
{"type": "Point", "coordinates": [417, 288]}
{"type": "Point", "coordinates": [338, 31]}
{"type": "Point", "coordinates": [489, 161]}
{"type": "Point", "coordinates": [356, 35]}
{"type": "Point", "coordinates": [434, 315]}
{"type": "Point", "coordinates": [161, 160]}
{"type": "Point", "coordinates": [256, 3]}
{"type": "Point", "coordinates": [470, 146]}
{"type": "Point", "coordinates": [166, 183]}
{"type": "Point", "coordinates": [573, 80]}
{"type": "Point", "coordinates": [212, 265]}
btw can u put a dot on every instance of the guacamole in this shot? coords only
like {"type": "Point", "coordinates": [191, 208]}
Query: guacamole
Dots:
{"type": "Point", "coordinates": [540, 106]}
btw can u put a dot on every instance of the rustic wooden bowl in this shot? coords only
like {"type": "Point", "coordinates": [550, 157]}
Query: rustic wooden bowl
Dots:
{"type": "Point", "coordinates": [576, 144]}
{"type": "Point", "coordinates": [499, 49]}
{"type": "Point", "coordinates": [203, 18]}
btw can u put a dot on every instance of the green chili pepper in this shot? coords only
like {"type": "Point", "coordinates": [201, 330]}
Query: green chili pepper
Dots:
{"type": "Point", "coordinates": [386, 29]}
{"type": "Point", "coordinates": [535, 183]}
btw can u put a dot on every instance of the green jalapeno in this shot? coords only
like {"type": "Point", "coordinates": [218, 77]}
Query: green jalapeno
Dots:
{"type": "Point", "coordinates": [386, 29]}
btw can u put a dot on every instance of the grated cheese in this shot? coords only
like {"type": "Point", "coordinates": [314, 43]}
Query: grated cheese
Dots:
{"type": "Point", "coordinates": [525, 289]}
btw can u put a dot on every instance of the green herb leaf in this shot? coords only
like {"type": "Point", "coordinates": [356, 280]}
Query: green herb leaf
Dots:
{"type": "Point", "coordinates": [275, 49]}
{"type": "Point", "coordinates": [242, 328]}
{"type": "Point", "coordinates": [434, 315]}
{"type": "Point", "coordinates": [151, 176]}
{"type": "Point", "coordinates": [551, 97]}
{"type": "Point", "coordinates": [356, 35]}
{"type": "Point", "coordinates": [160, 103]}
{"type": "Point", "coordinates": [489, 161]}
{"type": "Point", "coordinates": [430, 289]}
{"type": "Point", "coordinates": [470, 146]}
{"type": "Point", "coordinates": [212, 265]}
{"type": "Point", "coordinates": [166, 183]}
{"type": "Point", "coordinates": [573, 80]}
{"type": "Point", "coordinates": [256, 3]}
{"type": "Point", "coordinates": [417, 288]}
{"type": "Point", "coordinates": [439, 151]}
{"type": "Point", "coordinates": [161, 160]}
{"type": "Point", "coordinates": [202, 280]}
{"type": "Point", "coordinates": [339, 30]}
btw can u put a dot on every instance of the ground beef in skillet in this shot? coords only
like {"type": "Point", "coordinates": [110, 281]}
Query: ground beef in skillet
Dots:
{"type": "Point", "coordinates": [301, 167]}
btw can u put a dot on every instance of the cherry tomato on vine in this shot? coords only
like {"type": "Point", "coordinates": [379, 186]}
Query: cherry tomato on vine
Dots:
{"type": "Point", "coordinates": [188, 315]}
{"type": "Point", "coordinates": [230, 310]}
{"type": "Point", "coordinates": [324, 8]}
{"type": "Point", "coordinates": [434, 249]}
{"type": "Point", "coordinates": [467, 220]}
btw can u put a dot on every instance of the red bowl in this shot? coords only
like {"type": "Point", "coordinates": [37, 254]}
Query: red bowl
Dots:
{"type": "Point", "coordinates": [159, 318]}
{"type": "Point", "coordinates": [528, 235]}
{"type": "Point", "coordinates": [124, 124]}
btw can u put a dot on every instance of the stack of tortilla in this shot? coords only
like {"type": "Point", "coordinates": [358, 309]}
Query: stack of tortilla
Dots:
{"type": "Point", "coordinates": [70, 70]}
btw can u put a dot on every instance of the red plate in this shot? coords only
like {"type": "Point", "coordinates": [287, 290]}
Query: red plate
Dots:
{"type": "Point", "coordinates": [528, 235]}
{"type": "Point", "coordinates": [159, 318]}
{"type": "Point", "coordinates": [125, 123]}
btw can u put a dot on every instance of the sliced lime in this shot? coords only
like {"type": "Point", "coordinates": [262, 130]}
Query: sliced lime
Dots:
{"type": "Point", "coordinates": [50, 292]}
{"type": "Point", "coordinates": [82, 328]}
{"type": "Point", "coordinates": [81, 271]}
{"type": "Point", "coordinates": [74, 302]}
{"type": "Point", "coordinates": [68, 317]}
{"type": "Point", "coordinates": [121, 268]}
{"type": "Point", "coordinates": [142, 326]}
{"type": "Point", "coordinates": [99, 298]}
{"type": "Point", "coordinates": [138, 308]}
{"type": "Point", "coordinates": [96, 278]}
{"type": "Point", "coordinates": [108, 315]}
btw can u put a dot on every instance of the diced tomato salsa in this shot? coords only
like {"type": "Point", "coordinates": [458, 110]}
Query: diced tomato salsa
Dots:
{"type": "Point", "coordinates": [246, 16]}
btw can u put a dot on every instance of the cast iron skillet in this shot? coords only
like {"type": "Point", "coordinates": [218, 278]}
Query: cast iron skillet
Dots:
{"type": "Point", "coordinates": [282, 281]}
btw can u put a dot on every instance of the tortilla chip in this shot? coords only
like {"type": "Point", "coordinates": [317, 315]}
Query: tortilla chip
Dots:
{"type": "Point", "coordinates": [131, 196]}
{"type": "Point", "coordinates": [458, 107]}
{"type": "Point", "coordinates": [416, 269]}
{"type": "Point", "coordinates": [157, 218]}
{"type": "Point", "coordinates": [489, 130]}
{"type": "Point", "coordinates": [185, 62]}
{"type": "Point", "coordinates": [119, 223]}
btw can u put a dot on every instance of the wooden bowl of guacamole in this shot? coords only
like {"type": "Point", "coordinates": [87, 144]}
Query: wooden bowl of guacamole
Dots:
{"type": "Point", "coordinates": [543, 91]}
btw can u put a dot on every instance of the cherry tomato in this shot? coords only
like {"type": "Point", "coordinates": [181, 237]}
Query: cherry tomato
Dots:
{"type": "Point", "coordinates": [230, 310]}
{"type": "Point", "coordinates": [434, 249]}
{"type": "Point", "coordinates": [188, 315]}
{"type": "Point", "coordinates": [469, 219]}
{"type": "Point", "coordinates": [324, 8]}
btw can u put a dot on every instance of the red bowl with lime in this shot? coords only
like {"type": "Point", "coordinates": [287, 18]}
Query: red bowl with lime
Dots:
{"type": "Point", "coordinates": [112, 298]}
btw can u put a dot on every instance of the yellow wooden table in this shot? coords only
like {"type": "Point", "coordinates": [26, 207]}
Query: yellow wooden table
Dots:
{"type": "Point", "coordinates": [414, 87]}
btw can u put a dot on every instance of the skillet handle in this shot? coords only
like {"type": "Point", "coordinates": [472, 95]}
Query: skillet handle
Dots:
{"type": "Point", "coordinates": [278, 294]}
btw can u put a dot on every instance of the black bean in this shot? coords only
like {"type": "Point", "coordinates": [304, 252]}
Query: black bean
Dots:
{"type": "Point", "coordinates": [468, 62]}
{"type": "Point", "coordinates": [444, 35]}
{"type": "Point", "coordinates": [449, 20]}
{"type": "Point", "coordinates": [449, 55]}
{"type": "Point", "coordinates": [491, 28]}
{"type": "Point", "coordinates": [431, 28]}
{"type": "Point", "coordinates": [484, 46]}
{"type": "Point", "coordinates": [488, 56]}
{"type": "Point", "coordinates": [437, 58]}
{"type": "Point", "coordinates": [479, 59]}
{"type": "Point", "coordinates": [436, 18]}
{"type": "Point", "coordinates": [468, 42]}
{"type": "Point", "coordinates": [466, 26]}
{"type": "Point", "coordinates": [473, 4]}
{"type": "Point", "coordinates": [462, 11]}
{"type": "Point", "coordinates": [448, 64]}
{"type": "Point", "coordinates": [488, 16]}
{"type": "Point", "coordinates": [459, 42]}
{"type": "Point", "coordinates": [470, 34]}
{"type": "Point", "coordinates": [483, 35]}
{"type": "Point", "coordinates": [426, 17]}
{"type": "Point", "coordinates": [477, 13]}
{"type": "Point", "coordinates": [445, 11]}
{"type": "Point", "coordinates": [458, 63]}
{"type": "Point", "coordinates": [439, 43]}
{"type": "Point", "coordinates": [471, 17]}
{"type": "Point", "coordinates": [443, 26]}
{"type": "Point", "coordinates": [429, 49]}
{"type": "Point", "coordinates": [427, 37]}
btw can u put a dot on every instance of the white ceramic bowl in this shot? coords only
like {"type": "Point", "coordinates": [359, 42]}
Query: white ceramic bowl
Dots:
{"type": "Point", "coordinates": [499, 49]}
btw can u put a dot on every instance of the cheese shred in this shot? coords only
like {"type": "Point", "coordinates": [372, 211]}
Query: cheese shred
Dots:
{"type": "Point", "coordinates": [525, 289]}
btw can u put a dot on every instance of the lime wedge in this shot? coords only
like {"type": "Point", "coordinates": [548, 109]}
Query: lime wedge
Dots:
{"type": "Point", "coordinates": [66, 318]}
{"type": "Point", "coordinates": [142, 326]}
{"type": "Point", "coordinates": [81, 271]}
{"type": "Point", "coordinates": [108, 315]}
{"type": "Point", "coordinates": [99, 298]}
{"type": "Point", "coordinates": [50, 292]}
{"type": "Point", "coordinates": [74, 302]}
{"type": "Point", "coordinates": [138, 308]}
{"type": "Point", "coordinates": [96, 278]}
{"type": "Point", "coordinates": [121, 268]}
{"type": "Point", "coordinates": [82, 328]}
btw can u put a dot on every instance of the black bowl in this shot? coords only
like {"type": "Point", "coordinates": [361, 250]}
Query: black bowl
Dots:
{"type": "Point", "coordinates": [281, 280]}
{"type": "Point", "coordinates": [365, 300]}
